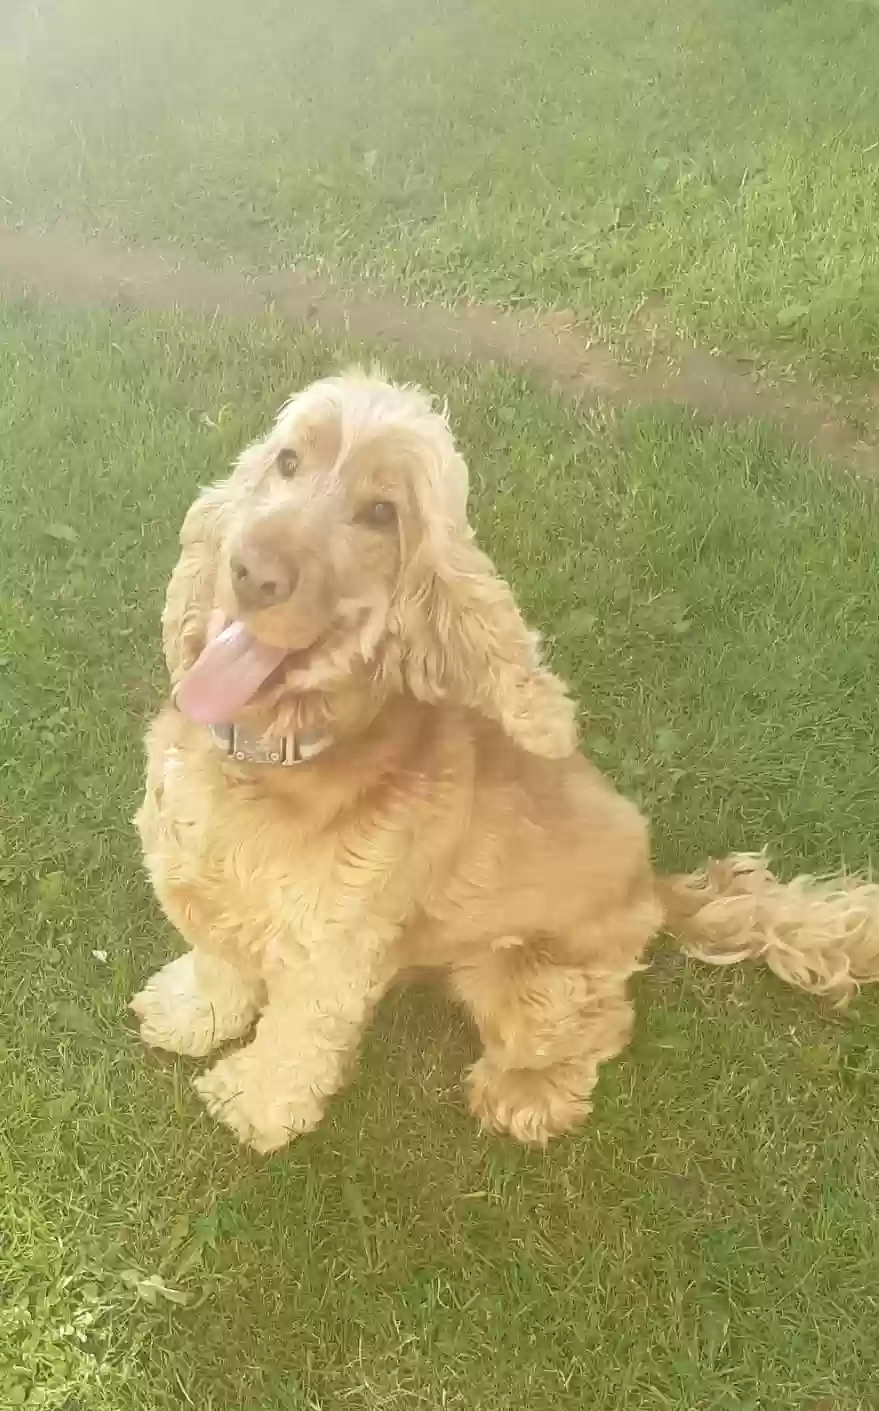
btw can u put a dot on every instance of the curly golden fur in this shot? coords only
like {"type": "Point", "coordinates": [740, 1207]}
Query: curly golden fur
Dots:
{"type": "Point", "coordinates": [451, 824]}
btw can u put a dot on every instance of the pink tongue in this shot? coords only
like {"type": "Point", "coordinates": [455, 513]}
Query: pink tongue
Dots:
{"type": "Point", "coordinates": [228, 673]}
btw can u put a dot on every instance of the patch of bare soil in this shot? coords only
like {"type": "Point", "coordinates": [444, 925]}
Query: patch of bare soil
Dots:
{"type": "Point", "coordinates": [550, 348]}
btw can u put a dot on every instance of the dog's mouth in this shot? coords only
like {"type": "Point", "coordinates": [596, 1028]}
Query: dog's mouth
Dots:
{"type": "Point", "coordinates": [232, 668]}
{"type": "Point", "coordinates": [236, 669]}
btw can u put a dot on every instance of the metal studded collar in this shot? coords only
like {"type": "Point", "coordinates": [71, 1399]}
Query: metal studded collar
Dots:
{"type": "Point", "coordinates": [249, 747]}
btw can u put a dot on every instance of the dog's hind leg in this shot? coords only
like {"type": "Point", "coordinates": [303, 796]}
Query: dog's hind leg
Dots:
{"type": "Point", "coordinates": [546, 1027]}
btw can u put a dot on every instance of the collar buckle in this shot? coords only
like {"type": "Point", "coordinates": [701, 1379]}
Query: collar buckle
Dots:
{"type": "Point", "coordinates": [250, 748]}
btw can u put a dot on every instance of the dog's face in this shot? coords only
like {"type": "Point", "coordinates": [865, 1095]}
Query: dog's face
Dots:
{"type": "Point", "coordinates": [339, 550]}
{"type": "Point", "coordinates": [330, 508]}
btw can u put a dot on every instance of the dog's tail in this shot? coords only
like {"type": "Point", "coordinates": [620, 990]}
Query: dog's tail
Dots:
{"type": "Point", "coordinates": [819, 934]}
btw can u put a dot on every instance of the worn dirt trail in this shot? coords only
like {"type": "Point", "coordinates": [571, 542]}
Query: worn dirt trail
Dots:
{"type": "Point", "coordinates": [549, 348]}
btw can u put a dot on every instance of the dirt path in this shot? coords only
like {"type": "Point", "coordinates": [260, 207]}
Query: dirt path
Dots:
{"type": "Point", "coordinates": [549, 348]}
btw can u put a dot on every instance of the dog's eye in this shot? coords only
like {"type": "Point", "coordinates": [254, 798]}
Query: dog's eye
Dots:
{"type": "Point", "coordinates": [379, 515]}
{"type": "Point", "coordinates": [287, 463]}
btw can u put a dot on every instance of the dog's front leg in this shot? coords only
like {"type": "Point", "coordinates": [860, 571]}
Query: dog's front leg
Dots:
{"type": "Point", "coordinates": [317, 1007]}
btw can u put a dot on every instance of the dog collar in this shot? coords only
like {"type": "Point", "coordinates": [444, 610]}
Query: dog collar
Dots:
{"type": "Point", "coordinates": [248, 747]}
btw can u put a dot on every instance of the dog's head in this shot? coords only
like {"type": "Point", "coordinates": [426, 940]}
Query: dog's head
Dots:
{"type": "Point", "coordinates": [340, 552]}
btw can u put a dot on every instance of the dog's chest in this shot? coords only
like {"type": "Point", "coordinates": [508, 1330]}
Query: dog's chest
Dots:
{"type": "Point", "coordinates": [260, 869]}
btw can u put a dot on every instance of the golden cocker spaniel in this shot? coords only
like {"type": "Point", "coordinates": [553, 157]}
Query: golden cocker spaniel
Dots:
{"type": "Point", "coordinates": [367, 769]}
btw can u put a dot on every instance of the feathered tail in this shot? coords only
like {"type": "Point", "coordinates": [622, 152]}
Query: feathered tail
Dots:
{"type": "Point", "coordinates": [819, 934]}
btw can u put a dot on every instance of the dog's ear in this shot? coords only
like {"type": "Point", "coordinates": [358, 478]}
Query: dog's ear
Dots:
{"type": "Point", "coordinates": [189, 600]}
{"type": "Point", "coordinates": [191, 594]}
{"type": "Point", "coordinates": [463, 641]}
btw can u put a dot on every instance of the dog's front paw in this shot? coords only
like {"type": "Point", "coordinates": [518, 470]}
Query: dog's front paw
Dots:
{"type": "Point", "coordinates": [239, 1094]}
{"type": "Point", "coordinates": [175, 1014]}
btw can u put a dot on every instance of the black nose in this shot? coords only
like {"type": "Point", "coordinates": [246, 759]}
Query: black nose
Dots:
{"type": "Point", "coordinates": [260, 579]}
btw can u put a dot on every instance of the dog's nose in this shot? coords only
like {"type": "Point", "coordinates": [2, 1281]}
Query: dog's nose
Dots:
{"type": "Point", "coordinates": [260, 579]}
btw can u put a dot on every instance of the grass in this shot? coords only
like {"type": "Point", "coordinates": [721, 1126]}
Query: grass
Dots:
{"type": "Point", "coordinates": [721, 159]}
{"type": "Point", "coordinates": [709, 1241]}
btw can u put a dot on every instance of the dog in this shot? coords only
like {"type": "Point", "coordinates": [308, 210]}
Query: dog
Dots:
{"type": "Point", "coordinates": [366, 769]}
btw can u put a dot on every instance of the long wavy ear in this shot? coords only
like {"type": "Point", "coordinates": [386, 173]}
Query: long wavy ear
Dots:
{"type": "Point", "coordinates": [190, 596]}
{"type": "Point", "coordinates": [463, 641]}
{"type": "Point", "coordinates": [191, 593]}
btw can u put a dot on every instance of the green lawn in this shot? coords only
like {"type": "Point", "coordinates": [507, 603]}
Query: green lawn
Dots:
{"type": "Point", "coordinates": [709, 1242]}
{"type": "Point", "coordinates": [722, 157]}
